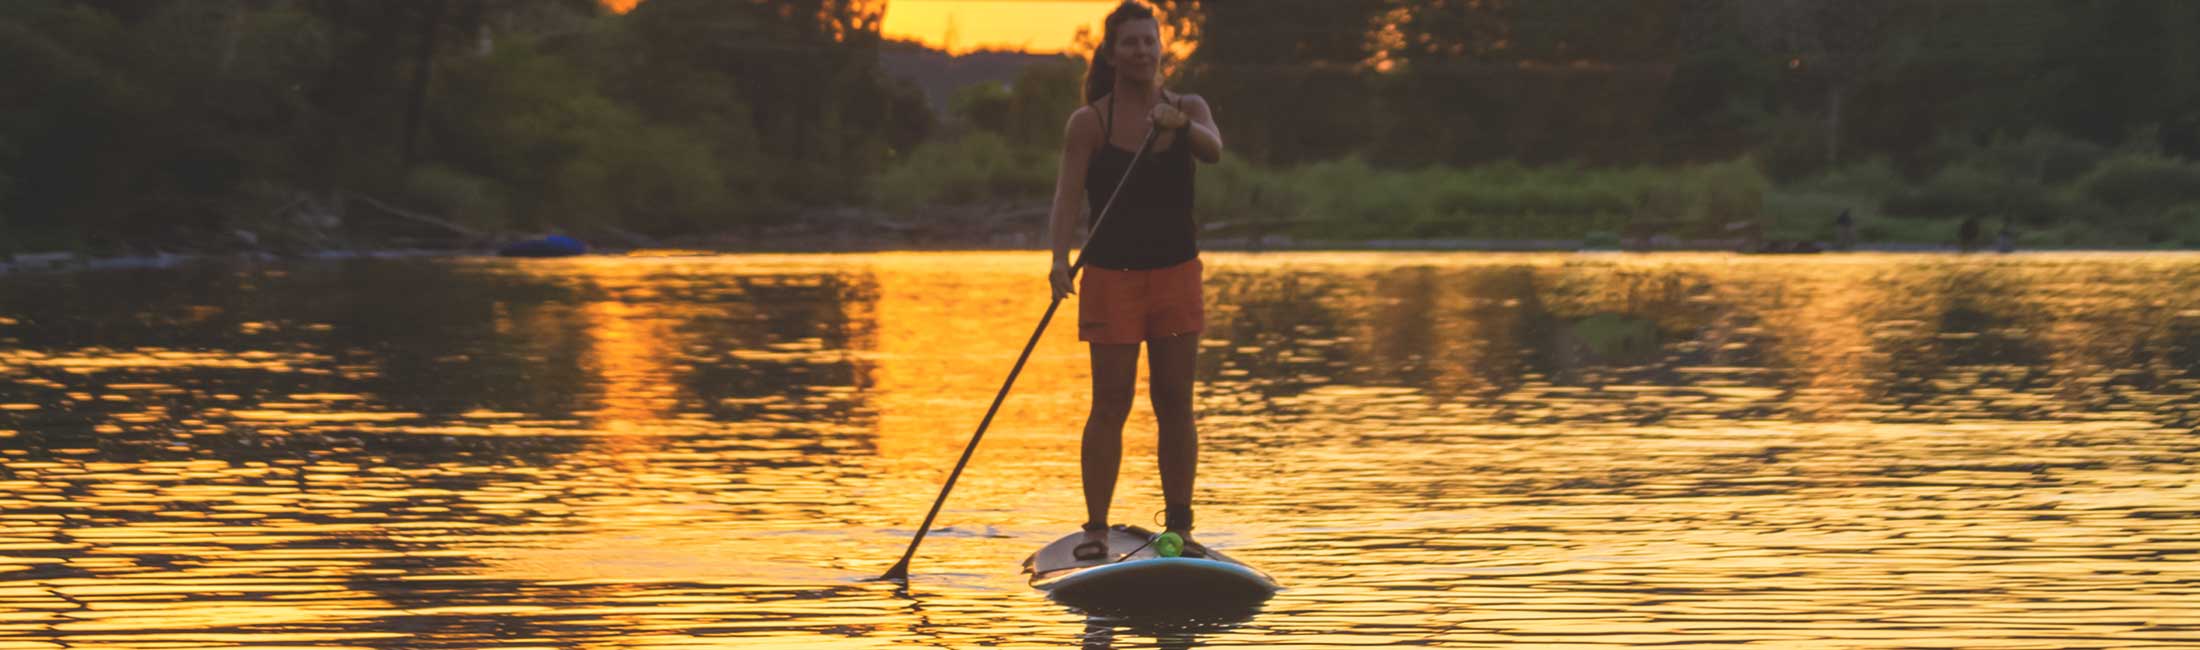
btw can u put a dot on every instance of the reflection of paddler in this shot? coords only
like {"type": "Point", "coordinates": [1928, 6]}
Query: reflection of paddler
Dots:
{"type": "Point", "coordinates": [1614, 336]}
{"type": "Point", "coordinates": [1143, 281]}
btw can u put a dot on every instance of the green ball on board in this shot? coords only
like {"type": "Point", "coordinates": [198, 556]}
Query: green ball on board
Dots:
{"type": "Point", "coordinates": [1168, 544]}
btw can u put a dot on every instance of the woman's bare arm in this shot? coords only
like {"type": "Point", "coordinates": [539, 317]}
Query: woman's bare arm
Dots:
{"type": "Point", "coordinates": [1079, 139]}
{"type": "Point", "coordinates": [1206, 138]}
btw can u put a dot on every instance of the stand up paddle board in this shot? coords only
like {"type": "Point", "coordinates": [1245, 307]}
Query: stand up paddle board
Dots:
{"type": "Point", "coordinates": [1144, 579]}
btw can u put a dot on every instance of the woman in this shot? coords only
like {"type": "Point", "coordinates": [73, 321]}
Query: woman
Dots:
{"type": "Point", "coordinates": [1141, 280]}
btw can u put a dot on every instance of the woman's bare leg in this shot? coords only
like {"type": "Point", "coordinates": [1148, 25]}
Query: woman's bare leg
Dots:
{"type": "Point", "coordinates": [1114, 385]}
{"type": "Point", "coordinates": [1170, 363]}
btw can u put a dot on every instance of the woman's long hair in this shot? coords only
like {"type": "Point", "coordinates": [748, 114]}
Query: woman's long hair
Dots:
{"type": "Point", "coordinates": [1100, 76]}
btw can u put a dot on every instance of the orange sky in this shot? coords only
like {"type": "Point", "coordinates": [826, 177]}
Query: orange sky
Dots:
{"type": "Point", "coordinates": [1034, 25]}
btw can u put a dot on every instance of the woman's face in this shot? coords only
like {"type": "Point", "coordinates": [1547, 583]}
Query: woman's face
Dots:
{"type": "Point", "coordinates": [1137, 50]}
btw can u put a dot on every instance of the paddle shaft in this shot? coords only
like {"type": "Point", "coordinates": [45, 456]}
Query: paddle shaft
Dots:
{"type": "Point", "coordinates": [901, 569]}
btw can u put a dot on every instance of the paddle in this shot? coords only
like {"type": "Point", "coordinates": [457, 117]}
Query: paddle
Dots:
{"type": "Point", "coordinates": [901, 569]}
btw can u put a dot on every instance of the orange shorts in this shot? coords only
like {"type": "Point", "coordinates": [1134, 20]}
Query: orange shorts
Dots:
{"type": "Point", "coordinates": [1117, 306]}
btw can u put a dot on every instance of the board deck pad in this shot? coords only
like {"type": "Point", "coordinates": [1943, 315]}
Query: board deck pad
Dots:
{"type": "Point", "coordinates": [1144, 580]}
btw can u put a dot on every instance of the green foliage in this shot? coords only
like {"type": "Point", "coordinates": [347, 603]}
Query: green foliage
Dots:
{"type": "Point", "coordinates": [2142, 182]}
{"type": "Point", "coordinates": [2183, 225]}
{"type": "Point", "coordinates": [57, 135]}
{"type": "Point", "coordinates": [1030, 112]}
{"type": "Point", "coordinates": [1729, 192]}
{"type": "Point", "coordinates": [1041, 100]}
{"type": "Point", "coordinates": [802, 75]}
{"type": "Point", "coordinates": [1798, 84]}
{"type": "Point", "coordinates": [1805, 209]}
{"type": "Point", "coordinates": [521, 118]}
{"type": "Point", "coordinates": [978, 167]}
{"type": "Point", "coordinates": [983, 105]}
{"type": "Point", "coordinates": [2061, 191]}
{"type": "Point", "coordinates": [1282, 75]}
{"type": "Point", "coordinates": [2038, 157]}
{"type": "Point", "coordinates": [652, 179]}
{"type": "Point", "coordinates": [163, 118]}
{"type": "Point", "coordinates": [1957, 190]}
{"type": "Point", "coordinates": [1236, 191]}
{"type": "Point", "coordinates": [1873, 178]}
{"type": "Point", "coordinates": [154, 120]}
{"type": "Point", "coordinates": [461, 197]}
{"type": "Point", "coordinates": [1350, 199]}
{"type": "Point", "coordinates": [1317, 31]}
{"type": "Point", "coordinates": [1807, 215]}
{"type": "Point", "coordinates": [1791, 145]}
{"type": "Point", "coordinates": [1703, 200]}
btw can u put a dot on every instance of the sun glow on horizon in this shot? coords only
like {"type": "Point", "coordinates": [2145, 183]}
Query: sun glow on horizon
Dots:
{"type": "Point", "coordinates": [962, 26]}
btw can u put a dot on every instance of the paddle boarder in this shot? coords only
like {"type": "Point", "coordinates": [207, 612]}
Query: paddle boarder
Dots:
{"type": "Point", "coordinates": [1142, 276]}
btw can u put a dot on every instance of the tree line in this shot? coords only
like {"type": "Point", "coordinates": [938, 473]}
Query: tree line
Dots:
{"type": "Point", "coordinates": [1804, 83]}
{"type": "Point", "coordinates": [132, 122]}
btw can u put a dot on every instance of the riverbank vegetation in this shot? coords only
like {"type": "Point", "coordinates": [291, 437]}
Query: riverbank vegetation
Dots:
{"type": "Point", "coordinates": [302, 124]}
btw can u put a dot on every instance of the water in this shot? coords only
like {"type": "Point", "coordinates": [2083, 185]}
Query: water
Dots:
{"type": "Point", "coordinates": [1567, 451]}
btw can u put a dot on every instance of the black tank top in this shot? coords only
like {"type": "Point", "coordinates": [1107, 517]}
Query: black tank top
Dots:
{"type": "Point", "coordinates": [1151, 225]}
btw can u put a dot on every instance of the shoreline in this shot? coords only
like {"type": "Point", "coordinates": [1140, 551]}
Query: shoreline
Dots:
{"type": "Point", "coordinates": [64, 262]}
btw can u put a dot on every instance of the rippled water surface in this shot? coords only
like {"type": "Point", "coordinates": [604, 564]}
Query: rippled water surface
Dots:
{"type": "Point", "coordinates": [1575, 451]}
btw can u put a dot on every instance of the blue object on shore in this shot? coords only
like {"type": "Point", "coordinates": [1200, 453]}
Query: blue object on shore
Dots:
{"type": "Point", "coordinates": [551, 246]}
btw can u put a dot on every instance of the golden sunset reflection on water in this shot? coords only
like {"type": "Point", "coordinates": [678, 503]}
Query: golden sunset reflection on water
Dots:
{"type": "Point", "coordinates": [1454, 450]}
